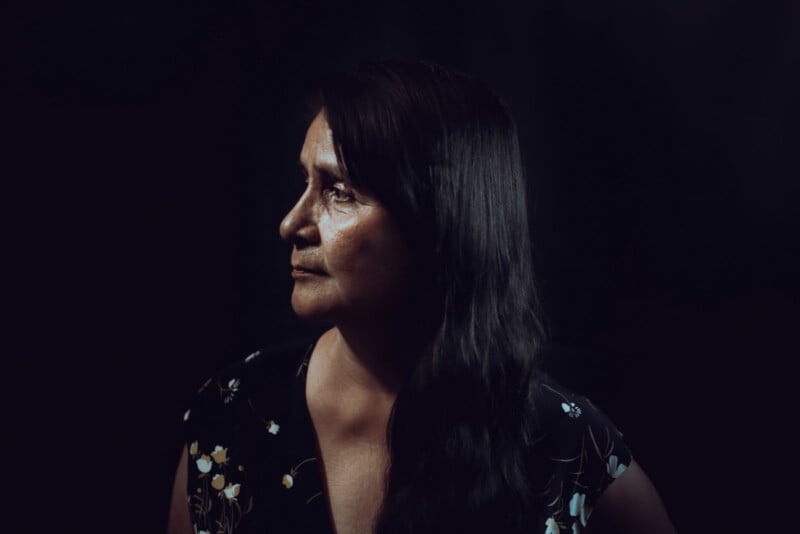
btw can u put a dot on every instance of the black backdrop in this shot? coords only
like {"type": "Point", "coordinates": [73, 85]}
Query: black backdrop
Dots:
{"type": "Point", "coordinates": [151, 155]}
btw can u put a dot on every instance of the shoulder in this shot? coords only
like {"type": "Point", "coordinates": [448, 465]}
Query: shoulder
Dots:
{"type": "Point", "coordinates": [631, 505]}
{"type": "Point", "coordinates": [565, 418]}
{"type": "Point", "coordinates": [232, 424]}
{"type": "Point", "coordinates": [259, 376]}
{"type": "Point", "coordinates": [578, 453]}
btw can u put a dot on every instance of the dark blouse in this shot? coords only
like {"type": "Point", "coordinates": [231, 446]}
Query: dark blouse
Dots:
{"type": "Point", "coordinates": [253, 453]}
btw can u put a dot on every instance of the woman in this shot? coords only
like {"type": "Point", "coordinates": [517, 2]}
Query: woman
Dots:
{"type": "Point", "coordinates": [421, 409]}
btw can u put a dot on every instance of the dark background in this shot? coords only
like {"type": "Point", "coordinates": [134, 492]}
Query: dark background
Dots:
{"type": "Point", "coordinates": [150, 157]}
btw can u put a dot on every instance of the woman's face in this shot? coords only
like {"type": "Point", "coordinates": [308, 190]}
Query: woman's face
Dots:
{"type": "Point", "coordinates": [360, 254]}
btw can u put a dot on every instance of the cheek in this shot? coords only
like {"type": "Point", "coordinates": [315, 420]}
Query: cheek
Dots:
{"type": "Point", "coordinates": [370, 255]}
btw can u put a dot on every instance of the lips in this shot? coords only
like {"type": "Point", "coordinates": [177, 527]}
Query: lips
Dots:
{"type": "Point", "coordinates": [306, 269]}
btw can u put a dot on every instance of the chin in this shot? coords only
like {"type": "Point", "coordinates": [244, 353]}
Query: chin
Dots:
{"type": "Point", "coordinates": [313, 317]}
{"type": "Point", "coordinates": [312, 311]}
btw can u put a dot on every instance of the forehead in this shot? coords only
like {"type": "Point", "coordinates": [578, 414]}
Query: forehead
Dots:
{"type": "Point", "coordinates": [318, 148]}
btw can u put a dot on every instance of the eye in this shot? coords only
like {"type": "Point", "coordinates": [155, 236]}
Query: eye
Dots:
{"type": "Point", "coordinates": [338, 194]}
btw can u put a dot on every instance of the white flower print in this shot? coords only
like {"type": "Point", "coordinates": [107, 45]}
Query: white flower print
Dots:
{"type": "Point", "coordinates": [552, 526]}
{"type": "Point", "coordinates": [231, 491]}
{"type": "Point", "coordinates": [578, 508]}
{"type": "Point", "coordinates": [203, 464]}
{"type": "Point", "coordinates": [572, 409]}
{"type": "Point", "coordinates": [251, 357]}
{"type": "Point", "coordinates": [229, 391]}
{"type": "Point", "coordinates": [186, 414]}
{"type": "Point", "coordinates": [614, 467]}
{"type": "Point", "coordinates": [576, 503]}
{"type": "Point", "coordinates": [576, 528]}
{"type": "Point", "coordinates": [287, 481]}
{"type": "Point", "coordinates": [273, 427]}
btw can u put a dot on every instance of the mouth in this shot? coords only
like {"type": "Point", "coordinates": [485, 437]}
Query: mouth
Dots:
{"type": "Point", "coordinates": [300, 269]}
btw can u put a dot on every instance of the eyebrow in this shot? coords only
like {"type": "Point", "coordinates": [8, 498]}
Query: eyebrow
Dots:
{"type": "Point", "coordinates": [329, 171]}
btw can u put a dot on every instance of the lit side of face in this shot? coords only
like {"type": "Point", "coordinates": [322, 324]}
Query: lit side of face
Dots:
{"type": "Point", "coordinates": [362, 255]}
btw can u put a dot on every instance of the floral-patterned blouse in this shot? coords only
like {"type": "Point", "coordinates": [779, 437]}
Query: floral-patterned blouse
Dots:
{"type": "Point", "coordinates": [253, 455]}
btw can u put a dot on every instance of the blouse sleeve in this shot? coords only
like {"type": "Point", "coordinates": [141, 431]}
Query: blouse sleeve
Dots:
{"type": "Point", "coordinates": [585, 452]}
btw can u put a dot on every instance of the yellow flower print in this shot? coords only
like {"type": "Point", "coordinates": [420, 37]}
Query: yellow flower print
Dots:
{"type": "Point", "coordinates": [193, 448]}
{"type": "Point", "coordinates": [218, 482]}
{"type": "Point", "coordinates": [204, 463]}
{"type": "Point", "coordinates": [288, 478]}
{"type": "Point", "coordinates": [220, 455]}
{"type": "Point", "coordinates": [552, 526]}
{"type": "Point", "coordinates": [231, 491]}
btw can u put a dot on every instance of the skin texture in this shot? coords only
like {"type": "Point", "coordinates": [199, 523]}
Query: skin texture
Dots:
{"type": "Point", "coordinates": [367, 291]}
{"type": "Point", "coordinates": [179, 522]}
{"type": "Point", "coordinates": [349, 410]}
{"type": "Point", "coordinates": [347, 234]}
{"type": "Point", "coordinates": [630, 505]}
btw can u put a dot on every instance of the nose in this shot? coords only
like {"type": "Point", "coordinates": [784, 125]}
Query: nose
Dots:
{"type": "Point", "coordinates": [298, 227]}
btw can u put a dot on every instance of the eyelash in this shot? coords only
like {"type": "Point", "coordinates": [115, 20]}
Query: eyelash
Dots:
{"type": "Point", "coordinates": [338, 195]}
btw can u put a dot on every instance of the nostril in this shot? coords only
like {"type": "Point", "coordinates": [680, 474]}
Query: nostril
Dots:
{"type": "Point", "coordinates": [299, 243]}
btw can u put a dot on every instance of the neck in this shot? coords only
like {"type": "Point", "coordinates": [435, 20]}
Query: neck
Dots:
{"type": "Point", "coordinates": [364, 359]}
{"type": "Point", "coordinates": [354, 378]}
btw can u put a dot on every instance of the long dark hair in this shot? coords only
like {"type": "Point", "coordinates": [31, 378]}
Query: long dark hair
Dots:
{"type": "Point", "coordinates": [441, 152]}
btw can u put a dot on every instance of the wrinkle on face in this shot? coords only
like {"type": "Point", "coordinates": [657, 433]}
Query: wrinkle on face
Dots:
{"type": "Point", "coordinates": [361, 246]}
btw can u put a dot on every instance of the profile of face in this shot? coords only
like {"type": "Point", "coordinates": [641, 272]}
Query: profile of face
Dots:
{"type": "Point", "coordinates": [350, 258]}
